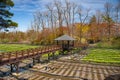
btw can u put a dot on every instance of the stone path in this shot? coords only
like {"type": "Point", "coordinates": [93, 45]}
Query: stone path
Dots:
{"type": "Point", "coordinates": [68, 71]}
{"type": "Point", "coordinates": [79, 71]}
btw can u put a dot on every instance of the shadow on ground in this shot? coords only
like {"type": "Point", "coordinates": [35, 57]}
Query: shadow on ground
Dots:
{"type": "Point", "coordinates": [113, 77]}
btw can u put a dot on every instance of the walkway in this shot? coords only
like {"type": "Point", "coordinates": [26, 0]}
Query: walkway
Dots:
{"type": "Point", "coordinates": [78, 71]}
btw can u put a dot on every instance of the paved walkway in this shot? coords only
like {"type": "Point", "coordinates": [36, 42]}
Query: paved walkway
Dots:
{"type": "Point", "coordinates": [78, 71]}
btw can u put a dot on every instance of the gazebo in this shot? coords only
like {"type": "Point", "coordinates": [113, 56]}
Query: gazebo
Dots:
{"type": "Point", "coordinates": [66, 42]}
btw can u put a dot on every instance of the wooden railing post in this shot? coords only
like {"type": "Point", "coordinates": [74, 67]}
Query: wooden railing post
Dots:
{"type": "Point", "coordinates": [9, 56]}
{"type": "Point", "coordinates": [53, 48]}
{"type": "Point", "coordinates": [16, 55]}
{"type": "Point", "coordinates": [37, 50]}
{"type": "Point", "coordinates": [45, 49]}
{"type": "Point", "coordinates": [48, 56]}
{"type": "Point", "coordinates": [32, 51]}
{"type": "Point", "coordinates": [22, 54]}
{"type": "Point", "coordinates": [48, 49]}
{"type": "Point", "coordinates": [3, 55]}
{"type": "Point", "coordinates": [1, 58]}
{"type": "Point", "coordinates": [27, 53]}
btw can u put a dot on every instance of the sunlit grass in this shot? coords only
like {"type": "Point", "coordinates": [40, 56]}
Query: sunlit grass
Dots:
{"type": "Point", "coordinates": [15, 47]}
{"type": "Point", "coordinates": [103, 56]}
{"type": "Point", "coordinates": [50, 54]}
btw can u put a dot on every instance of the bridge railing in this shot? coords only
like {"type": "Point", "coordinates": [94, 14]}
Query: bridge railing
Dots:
{"type": "Point", "coordinates": [29, 53]}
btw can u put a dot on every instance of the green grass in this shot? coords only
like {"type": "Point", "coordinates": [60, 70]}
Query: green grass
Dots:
{"type": "Point", "coordinates": [109, 44]}
{"type": "Point", "coordinates": [110, 56]}
{"type": "Point", "coordinates": [15, 47]}
{"type": "Point", "coordinates": [46, 55]}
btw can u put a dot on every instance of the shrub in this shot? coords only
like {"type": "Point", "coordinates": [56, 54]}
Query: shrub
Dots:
{"type": "Point", "coordinates": [5, 40]}
{"type": "Point", "coordinates": [116, 42]}
{"type": "Point", "coordinates": [104, 45]}
{"type": "Point", "coordinates": [15, 40]}
{"type": "Point", "coordinates": [35, 42]}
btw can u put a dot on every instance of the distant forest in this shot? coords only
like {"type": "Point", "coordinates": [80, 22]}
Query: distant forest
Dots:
{"type": "Point", "coordinates": [69, 18]}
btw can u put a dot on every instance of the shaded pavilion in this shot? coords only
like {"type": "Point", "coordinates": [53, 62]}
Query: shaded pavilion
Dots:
{"type": "Point", "coordinates": [66, 41]}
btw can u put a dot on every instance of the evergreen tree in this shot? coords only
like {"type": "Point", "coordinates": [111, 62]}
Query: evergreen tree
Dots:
{"type": "Point", "coordinates": [5, 15]}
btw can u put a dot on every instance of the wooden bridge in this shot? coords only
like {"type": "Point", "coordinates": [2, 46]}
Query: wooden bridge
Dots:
{"type": "Point", "coordinates": [14, 58]}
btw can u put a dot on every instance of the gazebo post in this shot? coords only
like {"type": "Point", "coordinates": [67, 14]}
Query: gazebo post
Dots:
{"type": "Point", "coordinates": [68, 45]}
{"type": "Point", "coordinates": [73, 43]}
{"type": "Point", "coordinates": [57, 43]}
{"type": "Point", "coordinates": [62, 45]}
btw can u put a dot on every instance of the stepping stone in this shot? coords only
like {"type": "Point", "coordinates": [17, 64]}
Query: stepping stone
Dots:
{"type": "Point", "coordinates": [34, 77]}
{"type": "Point", "coordinates": [105, 71]}
{"type": "Point", "coordinates": [45, 78]}
{"type": "Point", "coordinates": [77, 73]}
{"type": "Point", "coordinates": [102, 77]}
{"type": "Point", "coordinates": [90, 75]}
{"type": "Point", "coordinates": [71, 73]}
{"type": "Point", "coordinates": [66, 73]}
{"type": "Point", "coordinates": [83, 74]}
{"type": "Point", "coordinates": [56, 71]}
{"type": "Point", "coordinates": [40, 78]}
{"type": "Point", "coordinates": [60, 72]}
{"type": "Point", "coordinates": [95, 76]}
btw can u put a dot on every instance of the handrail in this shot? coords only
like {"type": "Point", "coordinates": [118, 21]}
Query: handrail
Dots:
{"type": "Point", "coordinates": [24, 54]}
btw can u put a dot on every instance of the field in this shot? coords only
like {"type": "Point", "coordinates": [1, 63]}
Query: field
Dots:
{"type": "Point", "coordinates": [15, 47]}
{"type": "Point", "coordinates": [110, 56]}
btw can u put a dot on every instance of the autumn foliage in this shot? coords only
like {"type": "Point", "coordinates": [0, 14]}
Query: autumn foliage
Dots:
{"type": "Point", "coordinates": [71, 19]}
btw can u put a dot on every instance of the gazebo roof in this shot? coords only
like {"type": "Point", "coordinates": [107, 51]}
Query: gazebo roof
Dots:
{"type": "Point", "coordinates": [65, 37]}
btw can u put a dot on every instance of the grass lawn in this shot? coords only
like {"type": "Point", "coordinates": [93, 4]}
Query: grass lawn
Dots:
{"type": "Point", "coordinates": [14, 47]}
{"type": "Point", "coordinates": [110, 56]}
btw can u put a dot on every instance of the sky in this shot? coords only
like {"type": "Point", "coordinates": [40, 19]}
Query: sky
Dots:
{"type": "Point", "coordinates": [24, 9]}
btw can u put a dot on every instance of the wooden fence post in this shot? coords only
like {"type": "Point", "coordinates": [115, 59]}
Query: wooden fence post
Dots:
{"type": "Point", "coordinates": [1, 58]}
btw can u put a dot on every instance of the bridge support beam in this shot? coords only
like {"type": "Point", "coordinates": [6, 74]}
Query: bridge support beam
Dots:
{"type": "Point", "coordinates": [14, 67]}
{"type": "Point", "coordinates": [53, 55]}
{"type": "Point", "coordinates": [48, 56]}
{"type": "Point", "coordinates": [36, 60]}
{"type": "Point", "coordinates": [33, 61]}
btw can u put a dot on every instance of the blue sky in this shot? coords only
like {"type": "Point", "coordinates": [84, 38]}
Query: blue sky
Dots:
{"type": "Point", "coordinates": [24, 9]}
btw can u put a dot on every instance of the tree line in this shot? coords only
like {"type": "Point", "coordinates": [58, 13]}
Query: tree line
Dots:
{"type": "Point", "coordinates": [72, 19]}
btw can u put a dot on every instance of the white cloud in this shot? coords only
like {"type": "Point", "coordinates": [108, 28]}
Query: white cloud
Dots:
{"type": "Point", "coordinates": [31, 6]}
{"type": "Point", "coordinates": [27, 5]}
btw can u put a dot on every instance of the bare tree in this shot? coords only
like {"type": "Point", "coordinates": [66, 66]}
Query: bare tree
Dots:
{"type": "Point", "coordinates": [82, 18]}
{"type": "Point", "coordinates": [117, 18]}
{"type": "Point", "coordinates": [108, 17]}
{"type": "Point", "coordinates": [68, 15]}
{"type": "Point", "coordinates": [98, 16]}
{"type": "Point", "coordinates": [39, 25]}
{"type": "Point", "coordinates": [55, 19]}
{"type": "Point", "coordinates": [51, 10]}
{"type": "Point", "coordinates": [58, 6]}
{"type": "Point", "coordinates": [74, 8]}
